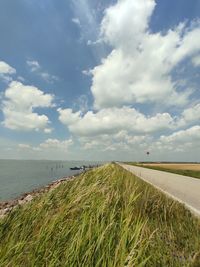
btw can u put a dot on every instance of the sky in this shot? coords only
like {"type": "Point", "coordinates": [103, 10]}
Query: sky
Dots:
{"type": "Point", "coordinates": [100, 80]}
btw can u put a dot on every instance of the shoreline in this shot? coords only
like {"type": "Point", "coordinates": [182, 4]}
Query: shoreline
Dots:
{"type": "Point", "coordinates": [9, 205]}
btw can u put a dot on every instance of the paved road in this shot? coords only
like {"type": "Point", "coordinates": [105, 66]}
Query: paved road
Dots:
{"type": "Point", "coordinates": [182, 188]}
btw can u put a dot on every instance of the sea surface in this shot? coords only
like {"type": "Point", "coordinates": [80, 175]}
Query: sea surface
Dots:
{"type": "Point", "coordinates": [20, 176]}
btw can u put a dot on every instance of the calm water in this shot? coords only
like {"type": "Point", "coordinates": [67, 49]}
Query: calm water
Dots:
{"type": "Point", "coordinates": [20, 176]}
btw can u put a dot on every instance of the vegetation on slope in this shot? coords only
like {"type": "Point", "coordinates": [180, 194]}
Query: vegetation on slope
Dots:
{"type": "Point", "coordinates": [106, 217]}
{"type": "Point", "coordinates": [191, 173]}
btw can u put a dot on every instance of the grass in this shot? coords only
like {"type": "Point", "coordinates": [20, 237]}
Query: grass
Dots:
{"type": "Point", "coordinates": [191, 173]}
{"type": "Point", "coordinates": [106, 217]}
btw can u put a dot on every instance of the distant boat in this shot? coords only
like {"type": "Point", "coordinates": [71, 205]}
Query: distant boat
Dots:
{"type": "Point", "coordinates": [75, 168]}
{"type": "Point", "coordinates": [83, 168]}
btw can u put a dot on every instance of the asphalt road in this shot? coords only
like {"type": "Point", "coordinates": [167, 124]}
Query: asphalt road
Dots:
{"type": "Point", "coordinates": [181, 188]}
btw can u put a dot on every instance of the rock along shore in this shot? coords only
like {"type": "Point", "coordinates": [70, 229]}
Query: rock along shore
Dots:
{"type": "Point", "coordinates": [7, 206]}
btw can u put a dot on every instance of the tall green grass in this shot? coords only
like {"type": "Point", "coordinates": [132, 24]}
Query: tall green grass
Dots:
{"type": "Point", "coordinates": [106, 217]}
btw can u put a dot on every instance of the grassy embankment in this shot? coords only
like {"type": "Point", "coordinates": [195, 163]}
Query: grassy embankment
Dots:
{"type": "Point", "coordinates": [191, 173]}
{"type": "Point", "coordinates": [106, 217]}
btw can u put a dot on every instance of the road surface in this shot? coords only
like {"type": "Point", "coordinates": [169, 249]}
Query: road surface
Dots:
{"type": "Point", "coordinates": [181, 188]}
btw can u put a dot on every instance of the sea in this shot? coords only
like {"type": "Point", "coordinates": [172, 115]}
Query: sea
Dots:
{"type": "Point", "coordinates": [21, 176]}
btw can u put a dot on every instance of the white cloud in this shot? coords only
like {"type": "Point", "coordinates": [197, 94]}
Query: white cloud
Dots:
{"type": "Point", "coordinates": [67, 117]}
{"type": "Point", "coordinates": [48, 130]}
{"type": "Point", "coordinates": [125, 22]}
{"type": "Point", "coordinates": [21, 79]}
{"type": "Point", "coordinates": [49, 145]}
{"type": "Point", "coordinates": [179, 145]}
{"type": "Point", "coordinates": [34, 65]}
{"type": "Point", "coordinates": [190, 136]}
{"type": "Point", "coordinates": [113, 120]}
{"type": "Point", "coordinates": [19, 104]}
{"type": "Point", "coordinates": [87, 72]}
{"type": "Point", "coordinates": [36, 68]}
{"type": "Point", "coordinates": [52, 149]}
{"type": "Point", "coordinates": [56, 144]}
{"type": "Point", "coordinates": [189, 116]}
{"type": "Point", "coordinates": [120, 141]}
{"type": "Point", "coordinates": [126, 129]}
{"type": "Point", "coordinates": [81, 103]}
{"type": "Point", "coordinates": [196, 60]}
{"type": "Point", "coordinates": [192, 114]}
{"type": "Point", "coordinates": [139, 68]}
{"type": "Point", "coordinates": [76, 21]}
{"type": "Point", "coordinates": [48, 77]}
{"type": "Point", "coordinates": [6, 78]}
{"type": "Point", "coordinates": [24, 146]}
{"type": "Point", "coordinates": [85, 12]}
{"type": "Point", "coordinates": [6, 69]}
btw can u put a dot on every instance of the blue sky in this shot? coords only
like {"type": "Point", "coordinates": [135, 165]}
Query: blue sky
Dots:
{"type": "Point", "coordinates": [75, 74]}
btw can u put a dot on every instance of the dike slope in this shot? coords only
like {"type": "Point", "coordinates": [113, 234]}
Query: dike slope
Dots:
{"type": "Point", "coordinates": [104, 217]}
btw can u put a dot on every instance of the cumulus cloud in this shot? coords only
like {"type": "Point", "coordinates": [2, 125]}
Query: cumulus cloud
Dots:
{"type": "Point", "coordinates": [126, 21]}
{"type": "Point", "coordinates": [190, 135]}
{"type": "Point", "coordinates": [67, 117]}
{"type": "Point", "coordinates": [189, 116]}
{"type": "Point", "coordinates": [56, 144]}
{"type": "Point", "coordinates": [139, 68]}
{"type": "Point", "coordinates": [113, 120]}
{"type": "Point", "coordinates": [120, 141]}
{"type": "Point", "coordinates": [179, 145]}
{"type": "Point", "coordinates": [19, 104]}
{"type": "Point", "coordinates": [192, 114]}
{"type": "Point", "coordinates": [6, 71]}
{"type": "Point", "coordinates": [49, 145]}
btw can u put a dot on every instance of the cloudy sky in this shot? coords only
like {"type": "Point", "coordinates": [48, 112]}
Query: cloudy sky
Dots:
{"type": "Point", "coordinates": [100, 79]}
